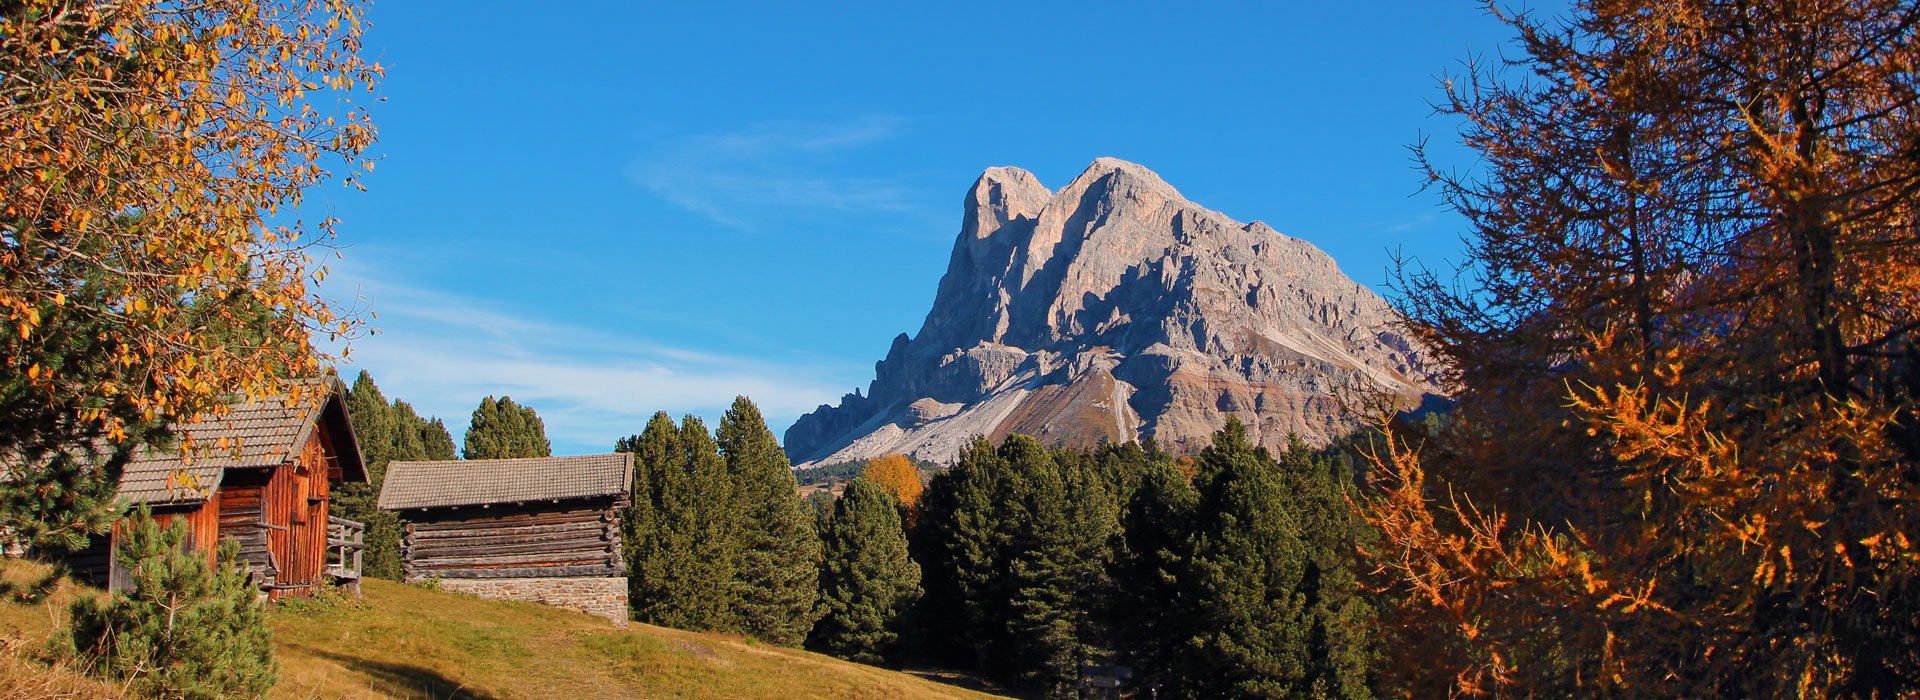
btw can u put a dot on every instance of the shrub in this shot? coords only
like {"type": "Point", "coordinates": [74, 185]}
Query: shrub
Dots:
{"type": "Point", "coordinates": [187, 630]}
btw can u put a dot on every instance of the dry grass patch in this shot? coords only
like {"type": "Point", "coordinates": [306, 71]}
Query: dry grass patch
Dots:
{"type": "Point", "coordinates": [410, 642]}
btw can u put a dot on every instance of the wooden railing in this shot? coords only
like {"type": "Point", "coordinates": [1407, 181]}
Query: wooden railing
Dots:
{"type": "Point", "coordinates": [346, 541]}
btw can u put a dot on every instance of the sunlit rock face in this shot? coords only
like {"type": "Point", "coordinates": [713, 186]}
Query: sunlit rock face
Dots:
{"type": "Point", "coordinates": [1112, 310]}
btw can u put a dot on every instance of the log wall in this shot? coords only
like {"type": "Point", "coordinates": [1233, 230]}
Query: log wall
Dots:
{"type": "Point", "coordinates": [575, 538]}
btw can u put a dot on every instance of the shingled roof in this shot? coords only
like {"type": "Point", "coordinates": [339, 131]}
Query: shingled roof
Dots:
{"type": "Point", "coordinates": [253, 434]}
{"type": "Point", "coordinates": [492, 481]}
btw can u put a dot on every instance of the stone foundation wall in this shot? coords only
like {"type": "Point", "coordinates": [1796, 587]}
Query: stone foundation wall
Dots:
{"type": "Point", "coordinates": [603, 596]}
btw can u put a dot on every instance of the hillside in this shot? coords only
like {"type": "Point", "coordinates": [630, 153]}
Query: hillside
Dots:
{"type": "Point", "coordinates": [410, 642]}
{"type": "Point", "coordinates": [1115, 309]}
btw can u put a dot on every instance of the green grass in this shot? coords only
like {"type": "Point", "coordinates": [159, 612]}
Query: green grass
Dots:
{"type": "Point", "coordinates": [410, 642]}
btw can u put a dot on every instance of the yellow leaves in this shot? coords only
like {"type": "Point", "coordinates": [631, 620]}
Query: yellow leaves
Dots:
{"type": "Point", "coordinates": [193, 139]}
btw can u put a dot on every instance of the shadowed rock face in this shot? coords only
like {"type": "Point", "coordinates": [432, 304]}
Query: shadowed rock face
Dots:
{"type": "Point", "coordinates": [1115, 309]}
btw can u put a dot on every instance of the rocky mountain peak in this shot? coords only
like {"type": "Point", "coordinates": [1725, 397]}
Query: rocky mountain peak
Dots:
{"type": "Point", "coordinates": [1112, 309]}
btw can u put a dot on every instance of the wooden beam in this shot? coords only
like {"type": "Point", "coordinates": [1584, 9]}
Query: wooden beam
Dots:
{"type": "Point", "coordinates": [533, 559]}
{"type": "Point", "coordinates": [499, 530]}
{"type": "Point", "coordinates": [580, 571]}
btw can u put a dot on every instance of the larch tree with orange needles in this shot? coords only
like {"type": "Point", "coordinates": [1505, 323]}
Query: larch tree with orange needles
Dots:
{"type": "Point", "coordinates": [896, 475]}
{"type": "Point", "coordinates": [150, 153]}
{"type": "Point", "coordinates": [1685, 458]}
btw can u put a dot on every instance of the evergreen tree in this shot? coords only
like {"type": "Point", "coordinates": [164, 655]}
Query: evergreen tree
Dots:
{"type": "Point", "coordinates": [187, 630]}
{"type": "Point", "coordinates": [1340, 645]}
{"type": "Point", "coordinates": [1056, 558]}
{"type": "Point", "coordinates": [367, 409]}
{"type": "Point", "coordinates": [60, 503]}
{"type": "Point", "coordinates": [776, 585]}
{"type": "Point", "coordinates": [957, 544]}
{"type": "Point", "coordinates": [867, 581]}
{"type": "Point", "coordinates": [711, 507]}
{"type": "Point", "coordinates": [1152, 627]}
{"type": "Point", "coordinates": [683, 543]}
{"type": "Point", "coordinates": [1019, 543]}
{"type": "Point", "coordinates": [436, 443]}
{"type": "Point", "coordinates": [408, 445]}
{"type": "Point", "coordinates": [503, 429]}
{"type": "Point", "coordinates": [657, 544]}
{"type": "Point", "coordinates": [377, 428]}
{"type": "Point", "coordinates": [1252, 588]}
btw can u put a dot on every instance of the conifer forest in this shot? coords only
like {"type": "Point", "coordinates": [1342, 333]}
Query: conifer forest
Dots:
{"type": "Point", "coordinates": [1613, 390]}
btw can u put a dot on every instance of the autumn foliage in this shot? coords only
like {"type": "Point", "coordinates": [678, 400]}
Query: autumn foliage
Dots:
{"type": "Point", "coordinates": [1685, 459]}
{"type": "Point", "coordinates": [896, 475]}
{"type": "Point", "coordinates": [151, 155]}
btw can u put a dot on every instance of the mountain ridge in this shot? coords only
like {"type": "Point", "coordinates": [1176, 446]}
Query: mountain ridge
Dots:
{"type": "Point", "coordinates": [1114, 309]}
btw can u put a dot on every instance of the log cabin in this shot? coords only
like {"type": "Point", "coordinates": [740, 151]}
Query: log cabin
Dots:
{"type": "Point", "coordinates": [545, 529]}
{"type": "Point", "coordinates": [262, 474]}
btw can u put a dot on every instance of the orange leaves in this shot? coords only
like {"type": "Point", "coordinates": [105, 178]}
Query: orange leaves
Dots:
{"type": "Point", "coordinates": [898, 476]}
{"type": "Point", "coordinates": [140, 158]}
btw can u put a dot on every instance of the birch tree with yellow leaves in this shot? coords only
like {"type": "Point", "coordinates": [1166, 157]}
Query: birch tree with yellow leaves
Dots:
{"type": "Point", "coordinates": [152, 155]}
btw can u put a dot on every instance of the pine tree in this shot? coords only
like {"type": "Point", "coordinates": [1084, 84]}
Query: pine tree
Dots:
{"type": "Point", "coordinates": [408, 445]}
{"type": "Point", "coordinates": [369, 412]}
{"type": "Point", "coordinates": [435, 442]}
{"type": "Point", "coordinates": [957, 544]}
{"type": "Point", "coordinates": [61, 503]}
{"type": "Point", "coordinates": [1019, 544]}
{"type": "Point", "coordinates": [1056, 556]}
{"type": "Point", "coordinates": [187, 630]}
{"type": "Point", "coordinates": [1258, 629]}
{"type": "Point", "coordinates": [712, 507]}
{"type": "Point", "coordinates": [868, 583]}
{"type": "Point", "coordinates": [659, 543]}
{"type": "Point", "coordinates": [684, 542]}
{"type": "Point", "coordinates": [503, 429]}
{"type": "Point", "coordinates": [377, 427]}
{"type": "Point", "coordinates": [1340, 622]}
{"type": "Point", "coordinates": [777, 581]}
{"type": "Point", "coordinates": [1152, 625]}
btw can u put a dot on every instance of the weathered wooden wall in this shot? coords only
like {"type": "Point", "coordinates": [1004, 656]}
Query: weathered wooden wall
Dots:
{"type": "Point", "coordinates": [243, 519]}
{"type": "Point", "coordinates": [295, 504]}
{"type": "Point", "coordinates": [577, 538]}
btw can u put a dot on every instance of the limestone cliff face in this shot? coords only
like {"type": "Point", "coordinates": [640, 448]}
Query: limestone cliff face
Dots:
{"type": "Point", "coordinates": [1115, 309]}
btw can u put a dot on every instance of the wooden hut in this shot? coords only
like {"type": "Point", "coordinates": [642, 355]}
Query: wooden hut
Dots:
{"type": "Point", "coordinates": [263, 474]}
{"type": "Point", "coordinates": [543, 529]}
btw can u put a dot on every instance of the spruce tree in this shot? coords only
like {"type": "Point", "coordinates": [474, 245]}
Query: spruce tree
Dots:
{"type": "Point", "coordinates": [503, 429]}
{"type": "Point", "coordinates": [407, 443]}
{"type": "Point", "coordinates": [867, 581]}
{"type": "Point", "coordinates": [187, 630]}
{"type": "Point", "coordinates": [776, 585]}
{"type": "Point", "coordinates": [373, 424]}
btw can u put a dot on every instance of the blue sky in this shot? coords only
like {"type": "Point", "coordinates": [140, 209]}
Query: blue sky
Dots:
{"type": "Point", "coordinates": [619, 208]}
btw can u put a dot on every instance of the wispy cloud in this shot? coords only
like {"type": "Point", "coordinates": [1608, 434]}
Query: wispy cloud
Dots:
{"type": "Point", "coordinates": [442, 352]}
{"type": "Point", "coordinates": [745, 177]}
{"type": "Point", "coordinates": [1410, 224]}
